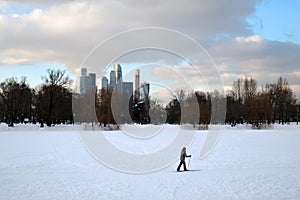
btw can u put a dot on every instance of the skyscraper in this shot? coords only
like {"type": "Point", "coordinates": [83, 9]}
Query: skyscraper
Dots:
{"type": "Point", "coordinates": [137, 85]}
{"type": "Point", "coordinates": [84, 81]}
{"type": "Point", "coordinates": [104, 83]}
{"type": "Point", "coordinates": [92, 84]}
{"type": "Point", "coordinates": [93, 79]}
{"type": "Point", "coordinates": [112, 79]}
{"type": "Point", "coordinates": [87, 82]}
{"type": "Point", "coordinates": [119, 81]}
{"type": "Point", "coordinates": [127, 89]}
{"type": "Point", "coordinates": [144, 91]}
{"type": "Point", "coordinates": [83, 71]}
{"type": "Point", "coordinates": [115, 82]}
{"type": "Point", "coordinates": [118, 71]}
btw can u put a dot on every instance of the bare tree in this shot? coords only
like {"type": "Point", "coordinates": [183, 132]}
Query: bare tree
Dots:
{"type": "Point", "coordinates": [157, 112]}
{"type": "Point", "coordinates": [53, 96]}
{"type": "Point", "coordinates": [282, 100]}
{"type": "Point", "coordinates": [15, 99]}
{"type": "Point", "coordinates": [237, 89]}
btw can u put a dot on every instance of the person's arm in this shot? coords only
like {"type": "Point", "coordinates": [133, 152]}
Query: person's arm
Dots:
{"type": "Point", "coordinates": [189, 156]}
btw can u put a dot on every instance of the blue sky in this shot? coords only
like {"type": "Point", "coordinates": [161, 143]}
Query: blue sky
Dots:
{"type": "Point", "coordinates": [277, 20]}
{"type": "Point", "coordinates": [32, 72]}
{"type": "Point", "coordinates": [37, 35]}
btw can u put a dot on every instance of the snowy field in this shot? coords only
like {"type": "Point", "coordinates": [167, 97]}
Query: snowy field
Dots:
{"type": "Point", "coordinates": [51, 163]}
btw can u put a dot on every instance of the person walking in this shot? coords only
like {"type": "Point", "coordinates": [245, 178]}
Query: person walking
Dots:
{"type": "Point", "coordinates": [182, 159]}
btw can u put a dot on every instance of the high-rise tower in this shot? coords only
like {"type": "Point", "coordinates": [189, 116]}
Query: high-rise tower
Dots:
{"type": "Point", "coordinates": [83, 71]}
{"type": "Point", "coordinates": [87, 82]}
{"type": "Point", "coordinates": [144, 91]}
{"type": "Point", "coordinates": [137, 85]}
{"type": "Point", "coordinates": [104, 83]}
{"type": "Point", "coordinates": [112, 79]}
{"type": "Point", "coordinates": [92, 79]}
{"type": "Point", "coordinates": [118, 71]}
{"type": "Point", "coordinates": [119, 81]}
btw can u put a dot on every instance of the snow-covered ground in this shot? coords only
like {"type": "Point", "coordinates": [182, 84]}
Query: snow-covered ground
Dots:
{"type": "Point", "coordinates": [51, 163]}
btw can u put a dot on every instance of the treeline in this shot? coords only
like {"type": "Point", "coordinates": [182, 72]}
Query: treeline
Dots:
{"type": "Point", "coordinates": [275, 102]}
{"type": "Point", "coordinates": [50, 103]}
{"type": "Point", "coordinates": [245, 103]}
{"type": "Point", "coordinates": [53, 103]}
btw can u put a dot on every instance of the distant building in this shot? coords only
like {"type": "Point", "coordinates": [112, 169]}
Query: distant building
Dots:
{"type": "Point", "coordinates": [144, 91]}
{"type": "Point", "coordinates": [104, 83]}
{"type": "Point", "coordinates": [84, 84]}
{"type": "Point", "coordinates": [83, 71]}
{"type": "Point", "coordinates": [118, 73]}
{"type": "Point", "coordinates": [93, 79]}
{"type": "Point", "coordinates": [87, 83]}
{"type": "Point", "coordinates": [115, 82]}
{"type": "Point", "coordinates": [127, 89]}
{"type": "Point", "coordinates": [112, 79]}
{"type": "Point", "coordinates": [137, 85]}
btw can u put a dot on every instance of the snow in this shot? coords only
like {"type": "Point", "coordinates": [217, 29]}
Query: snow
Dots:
{"type": "Point", "coordinates": [52, 163]}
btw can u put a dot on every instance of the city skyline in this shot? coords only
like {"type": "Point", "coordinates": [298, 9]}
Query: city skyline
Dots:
{"type": "Point", "coordinates": [135, 88]}
{"type": "Point", "coordinates": [87, 81]}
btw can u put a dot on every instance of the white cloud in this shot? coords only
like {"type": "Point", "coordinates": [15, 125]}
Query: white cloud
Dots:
{"type": "Point", "coordinates": [14, 61]}
{"type": "Point", "coordinates": [296, 73]}
{"type": "Point", "coordinates": [259, 58]}
{"type": "Point", "coordinates": [164, 95]}
{"type": "Point", "coordinates": [254, 38]}
{"type": "Point", "coordinates": [164, 72]}
{"type": "Point", "coordinates": [65, 31]}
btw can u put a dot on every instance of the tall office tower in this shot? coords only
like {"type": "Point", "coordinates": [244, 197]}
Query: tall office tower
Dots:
{"type": "Point", "coordinates": [83, 71]}
{"type": "Point", "coordinates": [137, 85]}
{"type": "Point", "coordinates": [92, 85]}
{"type": "Point", "coordinates": [118, 71]}
{"type": "Point", "coordinates": [104, 83]}
{"type": "Point", "coordinates": [84, 81]}
{"type": "Point", "coordinates": [112, 79]}
{"type": "Point", "coordinates": [87, 82]}
{"type": "Point", "coordinates": [145, 89]}
{"type": "Point", "coordinates": [127, 89]}
{"type": "Point", "coordinates": [93, 79]}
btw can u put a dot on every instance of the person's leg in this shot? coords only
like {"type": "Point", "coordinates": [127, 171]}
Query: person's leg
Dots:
{"type": "Point", "coordinates": [184, 165]}
{"type": "Point", "coordinates": [178, 168]}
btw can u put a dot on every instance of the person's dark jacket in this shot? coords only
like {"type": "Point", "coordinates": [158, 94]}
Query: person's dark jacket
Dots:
{"type": "Point", "coordinates": [183, 155]}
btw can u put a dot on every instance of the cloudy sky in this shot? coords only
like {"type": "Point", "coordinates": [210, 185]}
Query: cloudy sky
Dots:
{"type": "Point", "coordinates": [253, 38]}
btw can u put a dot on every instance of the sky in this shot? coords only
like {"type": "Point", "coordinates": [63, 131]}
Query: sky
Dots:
{"type": "Point", "coordinates": [254, 38]}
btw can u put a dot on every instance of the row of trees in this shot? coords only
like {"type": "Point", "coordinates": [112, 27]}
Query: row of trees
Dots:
{"type": "Point", "coordinates": [53, 103]}
{"type": "Point", "coordinates": [50, 103]}
{"type": "Point", "coordinates": [275, 102]}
